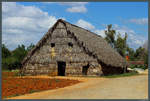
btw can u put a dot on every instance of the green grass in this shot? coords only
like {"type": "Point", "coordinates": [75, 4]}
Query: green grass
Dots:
{"type": "Point", "coordinates": [122, 75]}
{"type": "Point", "coordinates": [12, 96]}
{"type": "Point", "coordinates": [16, 70]}
{"type": "Point", "coordinates": [5, 80]}
{"type": "Point", "coordinates": [57, 80]}
{"type": "Point", "coordinates": [32, 91]}
{"type": "Point", "coordinates": [5, 70]}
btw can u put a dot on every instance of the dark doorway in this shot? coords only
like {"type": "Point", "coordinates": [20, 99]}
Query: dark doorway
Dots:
{"type": "Point", "coordinates": [61, 68]}
{"type": "Point", "coordinates": [85, 69]}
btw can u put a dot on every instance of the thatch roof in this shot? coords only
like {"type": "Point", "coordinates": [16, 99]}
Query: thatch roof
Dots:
{"type": "Point", "coordinates": [92, 43]}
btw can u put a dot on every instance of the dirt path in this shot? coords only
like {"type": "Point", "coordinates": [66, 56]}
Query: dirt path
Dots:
{"type": "Point", "coordinates": [134, 87]}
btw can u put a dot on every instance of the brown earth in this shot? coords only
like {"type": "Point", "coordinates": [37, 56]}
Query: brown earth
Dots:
{"type": "Point", "coordinates": [14, 86]}
{"type": "Point", "coordinates": [133, 87]}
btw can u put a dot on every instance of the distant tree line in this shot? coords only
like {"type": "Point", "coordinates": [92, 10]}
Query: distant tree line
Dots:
{"type": "Point", "coordinates": [120, 45]}
{"type": "Point", "coordinates": [12, 59]}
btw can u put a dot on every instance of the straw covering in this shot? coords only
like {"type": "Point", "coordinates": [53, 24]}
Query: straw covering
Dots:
{"type": "Point", "coordinates": [92, 45]}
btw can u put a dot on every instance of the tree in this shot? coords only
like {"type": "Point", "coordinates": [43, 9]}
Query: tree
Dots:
{"type": "Point", "coordinates": [12, 59]}
{"type": "Point", "coordinates": [11, 63]}
{"type": "Point", "coordinates": [5, 51]}
{"type": "Point", "coordinates": [20, 52]}
{"type": "Point", "coordinates": [146, 59]}
{"type": "Point", "coordinates": [131, 53]}
{"type": "Point", "coordinates": [120, 44]}
{"type": "Point", "coordinates": [30, 47]}
{"type": "Point", "coordinates": [140, 53]}
{"type": "Point", "coordinates": [5, 54]}
{"type": "Point", "coordinates": [14, 62]}
{"type": "Point", "coordinates": [110, 35]}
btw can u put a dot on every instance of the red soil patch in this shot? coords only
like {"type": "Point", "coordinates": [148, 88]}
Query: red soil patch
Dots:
{"type": "Point", "coordinates": [13, 86]}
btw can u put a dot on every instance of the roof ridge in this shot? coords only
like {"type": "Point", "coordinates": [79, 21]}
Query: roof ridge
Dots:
{"type": "Point", "coordinates": [61, 20]}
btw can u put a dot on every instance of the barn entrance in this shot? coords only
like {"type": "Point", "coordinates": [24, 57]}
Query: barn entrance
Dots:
{"type": "Point", "coordinates": [85, 69]}
{"type": "Point", "coordinates": [61, 68]}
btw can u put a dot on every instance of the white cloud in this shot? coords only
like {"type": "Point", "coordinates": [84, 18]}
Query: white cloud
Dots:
{"type": "Point", "coordinates": [23, 24]}
{"type": "Point", "coordinates": [85, 24]}
{"type": "Point", "coordinates": [75, 7]}
{"type": "Point", "coordinates": [73, 3]}
{"type": "Point", "coordinates": [145, 45]}
{"type": "Point", "coordinates": [140, 21]}
{"type": "Point", "coordinates": [100, 32]}
{"type": "Point", "coordinates": [80, 9]}
{"type": "Point", "coordinates": [14, 31]}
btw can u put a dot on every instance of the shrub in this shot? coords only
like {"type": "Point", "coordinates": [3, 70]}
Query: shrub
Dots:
{"type": "Point", "coordinates": [138, 66]}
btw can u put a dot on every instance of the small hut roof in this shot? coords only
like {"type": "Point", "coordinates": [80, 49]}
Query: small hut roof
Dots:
{"type": "Point", "coordinates": [91, 42]}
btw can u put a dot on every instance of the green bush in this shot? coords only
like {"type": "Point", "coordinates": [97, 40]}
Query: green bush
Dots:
{"type": "Point", "coordinates": [138, 66]}
{"type": "Point", "coordinates": [12, 59]}
{"type": "Point", "coordinates": [10, 63]}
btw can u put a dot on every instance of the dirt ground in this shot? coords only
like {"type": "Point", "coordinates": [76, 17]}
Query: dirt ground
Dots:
{"type": "Point", "coordinates": [132, 87]}
{"type": "Point", "coordinates": [13, 85]}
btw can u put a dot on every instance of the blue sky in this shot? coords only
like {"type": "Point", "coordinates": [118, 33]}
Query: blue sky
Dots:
{"type": "Point", "coordinates": [27, 22]}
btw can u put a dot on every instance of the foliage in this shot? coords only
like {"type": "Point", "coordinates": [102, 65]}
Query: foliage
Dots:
{"type": "Point", "coordinates": [19, 52]}
{"type": "Point", "coordinates": [140, 53]}
{"type": "Point", "coordinates": [132, 66]}
{"type": "Point", "coordinates": [120, 44]}
{"type": "Point", "coordinates": [146, 59]}
{"type": "Point", "coordinates": [12, 59]}
{"type": "Point", "coordinates": [5, 56]}
{"type": "Point", "coordinates": [131, 53]}
{"type": "Point", "coordinates": [5, 51]}
{"type": "Point", "coordinates": [110, 35]}
{"type": "Point", "coordinates": [122, 75]}
{"type": "Point", "coordinates": [30, 47]}
{"type": "Point", "coordinates": [10, 63]}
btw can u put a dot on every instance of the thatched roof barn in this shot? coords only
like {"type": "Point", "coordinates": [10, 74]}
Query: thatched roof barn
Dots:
{"type": "Point", "coordinates": [67, 49]}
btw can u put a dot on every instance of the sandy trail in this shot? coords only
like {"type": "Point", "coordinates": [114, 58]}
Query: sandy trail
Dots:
{"type": "Point", "coordinates": [133, 87]}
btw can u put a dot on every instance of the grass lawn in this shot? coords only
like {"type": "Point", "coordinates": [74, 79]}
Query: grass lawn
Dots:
{"type": "Point", "coordinates": [122, 75]}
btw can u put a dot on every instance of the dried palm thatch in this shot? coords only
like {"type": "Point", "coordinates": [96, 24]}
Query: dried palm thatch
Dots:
{"type": "Point", "coordinates": [93, 44]}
